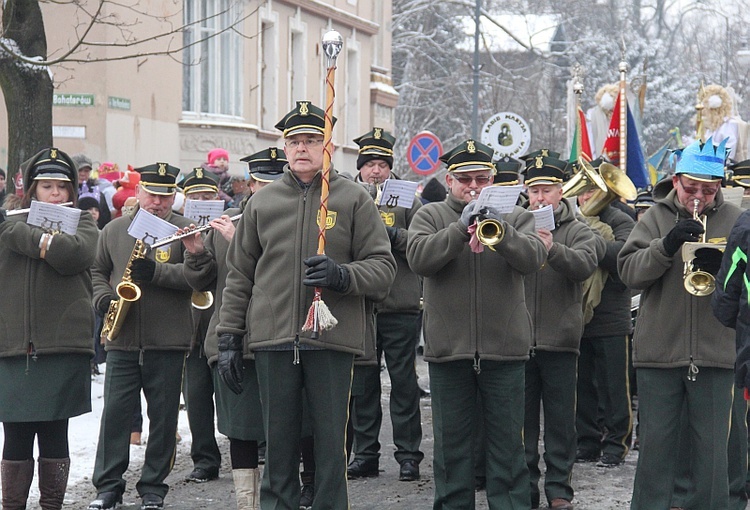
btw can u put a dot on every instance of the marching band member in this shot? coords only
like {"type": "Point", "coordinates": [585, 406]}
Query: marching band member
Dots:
{"type": "Point", "coordinates": [683, 356]}
{"type": "Point", "coordinates": [149, 353]}
{"type": "Point", "coordinates": [273, 268]}
{"type": "Point", "coordinates": [476, 338]}
{"type": "Point", "coordinates": [45, 341]}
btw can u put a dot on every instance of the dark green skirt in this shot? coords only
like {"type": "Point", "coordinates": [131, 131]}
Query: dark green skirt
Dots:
{"type": "Point", "coordinates": [55, 387]}
{"type": "Point", "coordinates": [239, 416]}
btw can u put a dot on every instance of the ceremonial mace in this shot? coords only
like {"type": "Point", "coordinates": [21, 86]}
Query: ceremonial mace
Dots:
{"type": "Point", "coordinates": [319, 317]}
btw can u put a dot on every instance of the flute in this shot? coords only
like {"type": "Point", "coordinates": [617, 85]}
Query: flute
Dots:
{"type": "Point", "coordinates": [191, 231]}
{"type": "Point", "coordinates": [14, 212]}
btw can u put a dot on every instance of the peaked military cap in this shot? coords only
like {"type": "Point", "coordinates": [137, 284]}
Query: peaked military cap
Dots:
{"type": "Point", "coordinates": [53, 164]}
{"type": "Point", "coordinates": [266, 165]}
{"type": "Point", "coordinates": [304, 118]}
{"type": "Point", "coordinates": [507, 171]}
{"type": "Point", "coordinates": [541, 152]}
{"type": "Point", "coordinates": [541, 169]}
{"type": "Point", "coordinates": [468, 156]}
{"type": "Point", "coordinates": [376, 144]}
{"type": "Point", "coordinates": [644, 199]}
{"type": "Point", "coordinates": [200, 180]}
{"type": "Point", "coordinates": [741, 173]}
{"type": "Point", "coordinates": [159, 178]}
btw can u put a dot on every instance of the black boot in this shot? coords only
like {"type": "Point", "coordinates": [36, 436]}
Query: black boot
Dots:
{"type": "Point", "coordinates": [308, 490]}
{"type": "Point", "coordinates": [16, 479]}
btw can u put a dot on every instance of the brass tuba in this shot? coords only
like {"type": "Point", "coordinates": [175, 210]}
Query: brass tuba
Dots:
{"type": "Point", "coordinates": [128, 293]}
{"type": "Point", "coordinates": [618, 184]}
{"type": "Point", "coordinates": [696, 281]}
{"type": "Point", "coordinates": [585, 179]}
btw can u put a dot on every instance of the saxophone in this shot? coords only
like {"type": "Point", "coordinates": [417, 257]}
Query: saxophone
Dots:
{"type": "Point", "coordinates": [128, 292]}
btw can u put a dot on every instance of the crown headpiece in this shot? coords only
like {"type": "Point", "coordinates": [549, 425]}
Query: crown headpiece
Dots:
{"type": "Point", "coordinates": [702, 159]}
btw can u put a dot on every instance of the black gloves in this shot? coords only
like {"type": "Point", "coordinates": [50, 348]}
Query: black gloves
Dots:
{"type": "Point", "coordinates": [467, 215]}
{"type": "Point", "coordinates": [392, 234]}
{"type": "Point", "coordinates": [104, 306]}
{"type": "Point", "coordinates": [489, 213]}
{"type": "Point", "coordinates": [142, 270]}
{"type": "Point", "coordinates": [685, 230]}
{"type": "Point", "coordinates": [323, 271]}
{"type": "Point", "coordinates": [708, 260]}
{"type": "Point", "coordinates": [229, 363]}
{"type": "Point", "coordinates": [2, 215]}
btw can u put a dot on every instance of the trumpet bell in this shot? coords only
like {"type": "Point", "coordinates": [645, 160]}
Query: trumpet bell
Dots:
{"type": "Point", "coordinates": [202, 300]}
{"type": "Point", "coordinates": [490, 232]}
{"type": "Point", "coordinates": [700, 283]}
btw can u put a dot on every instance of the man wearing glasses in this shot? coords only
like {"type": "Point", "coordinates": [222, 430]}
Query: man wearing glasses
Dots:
{"type": "Point", "coordinates": [477, 332]}
{"type": "Point", "coordinates": [273, 269]}
{"type": "Point", "coordinates": [683, 356]}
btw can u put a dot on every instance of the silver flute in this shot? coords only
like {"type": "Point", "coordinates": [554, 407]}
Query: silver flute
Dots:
{"type": "Point", "coordinates": [14, 212]}
{"type": "Point", "coordinates": [189, 232]}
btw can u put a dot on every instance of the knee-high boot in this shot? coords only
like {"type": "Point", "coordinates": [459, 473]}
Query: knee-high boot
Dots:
{"type": "Point", "coordinates": [16, 479]}
{"type": "Point", "coordinates": [53, 481]}
{"type": "Point", "coordinates": [247, 488]}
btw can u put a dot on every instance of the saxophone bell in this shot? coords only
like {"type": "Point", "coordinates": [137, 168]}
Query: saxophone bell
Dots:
{"type": "Point", "coordinates": [202, 300]}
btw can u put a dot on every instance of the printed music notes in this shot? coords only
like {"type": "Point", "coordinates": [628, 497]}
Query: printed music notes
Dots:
{"type": "Point", "coordinates": [502, 198]}
{"type": "Point", "coordinates": [53, 217]}
{"type": "Point", "coordinates": [148, 227]}
{"type": "Point", "coordinates": [545, 217]}
{"type": "Point", "coordinates": [203, 211]}
{"type": "Point", "coordinates": [398, 193]}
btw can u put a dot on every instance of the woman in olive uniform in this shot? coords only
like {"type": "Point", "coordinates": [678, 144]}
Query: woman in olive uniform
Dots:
{"type": "Point", "coordinates": [45, 334]}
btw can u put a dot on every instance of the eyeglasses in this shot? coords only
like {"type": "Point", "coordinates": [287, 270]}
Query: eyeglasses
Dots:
{"type": "Point", "coordinates": [481, 180]}
{"type": "Point", "coordinates": [309, 142]}
{"type": "Point", "coordinates": [704, 190]}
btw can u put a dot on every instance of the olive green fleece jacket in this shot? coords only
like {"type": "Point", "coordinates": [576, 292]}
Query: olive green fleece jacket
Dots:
{"type": "Point", "coordinates": [264, 294]}
{"type": "Point", "coordinates": [45, 304]}
{"type": "Point", "coordinates": [162, 318]}
{"type": "Point", "coordinates": [554, 294]}
{"type": "Point", "coordinates": [674, 327]}
{"type": "Point", "coordinates": [474, 303]}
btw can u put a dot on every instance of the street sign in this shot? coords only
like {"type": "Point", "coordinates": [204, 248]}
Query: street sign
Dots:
{"type": "Point", "coordinates": [507, 133]}
{"type": "Point", "coordinates": [423, 153]}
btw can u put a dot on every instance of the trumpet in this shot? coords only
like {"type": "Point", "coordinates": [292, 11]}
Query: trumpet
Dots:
{"type": "Point", "coordinates": [188, 232]}
{"type": "Point", "coordinates": [489, 230]}
{"type": "Point", "coordinates": [696, 281]}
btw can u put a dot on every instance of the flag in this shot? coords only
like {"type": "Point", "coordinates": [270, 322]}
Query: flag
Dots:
{"type": "Point", "coordinates": [656, 161]}
{"type": "Point", "coordinates": [581, 147]}
{"type": "Point", "coordinates": [636, 162]}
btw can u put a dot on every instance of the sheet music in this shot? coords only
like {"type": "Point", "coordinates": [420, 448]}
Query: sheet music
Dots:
{"type": "Point", "coordinates": [54, 217]}
{"type": "Point", "coordinates": [398, 193]}
{"type": "Point", "coordinates": [545, 217]}
{"type": "Point", "coordinates": [203, 211]}
{"type": "Point", "coordinates": [149, 228]}
{"type": "Point", "coordinates": [502, 198]}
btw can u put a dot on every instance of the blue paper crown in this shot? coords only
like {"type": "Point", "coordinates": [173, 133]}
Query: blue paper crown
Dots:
{"type": "Point", "coordinates": [702, 159]}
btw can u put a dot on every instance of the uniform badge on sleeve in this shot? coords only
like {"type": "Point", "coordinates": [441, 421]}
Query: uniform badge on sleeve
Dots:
{"type": "Point", "coordinates": [163, 255]}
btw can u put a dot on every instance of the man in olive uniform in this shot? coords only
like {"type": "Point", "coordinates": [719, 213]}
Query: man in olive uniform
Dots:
{"type": "Point", "coordinates": [683, 355]}
{"type": "Point", "coordinates": [198, 386]}
{"type": "Point", "coordinates": [272, 259]}
{"type": "Point", "coordinates": [554, 297]}
{"type": "Point", "coordinates": [476, 337]}
{"type": "Point", "coordinates": [149, 353]}
{"type": "Point", "coordinates": [397, 326]}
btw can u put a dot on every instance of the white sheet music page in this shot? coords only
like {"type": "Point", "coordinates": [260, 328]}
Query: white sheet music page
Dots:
{"type": "Point", "coordinates": [545, 217]}
{"type": "Point", "coordinates": [148, 227]}
{"type": "Point", "coordinates": [203, 211]}
{"type": "Point", "coordinates": [398, 193]}
{"type": "Point", "coordinates": [502, 198]}
{"type": "Point", "coordinates": [54, 217]}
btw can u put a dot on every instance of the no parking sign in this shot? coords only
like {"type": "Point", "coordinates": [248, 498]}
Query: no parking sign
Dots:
{"type": "Point", "coordinates": [424, 152]}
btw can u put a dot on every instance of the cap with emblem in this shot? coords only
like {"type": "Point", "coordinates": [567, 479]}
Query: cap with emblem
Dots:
{"type": "Point", "coordinates": [541, 169]}
{"type": "Point", "coordinates": [305, 118]}
{"type": "Point", "coordinates": [200, 180]}
{"type": "Point", "coordinates": [376, 144]}
{"type": "Point", "coordinates": [507, 172]}
{"type": "Point", "coordinates": [52, 164]}
{"type": "Point", "coordinates": [266, 165]}
{"type": "Point", "coordinates": [741, 173]}
{"type": "Point", "coordinates": [644, 199]}
{"type": "Point", "coordinates": [159, 178]}
{"type": "Point", "coordinates": [702, 161]}
{"type": "Point", "coordinates": [469, 156]}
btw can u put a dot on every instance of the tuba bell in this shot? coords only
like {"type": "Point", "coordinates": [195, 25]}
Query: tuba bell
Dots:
{"type": "Point", "coordinates": [586, 178]}
{"type": "Point", "coordinates": [618, 184]}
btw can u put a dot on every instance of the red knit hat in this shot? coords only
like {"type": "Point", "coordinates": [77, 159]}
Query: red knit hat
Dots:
{"type": "Point", "coordinates": [216, 154]}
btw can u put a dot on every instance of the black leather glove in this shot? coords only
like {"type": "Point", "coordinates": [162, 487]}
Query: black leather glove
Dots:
{"type": "Point", "coordinates": [392, 234]}
{"type": "Point", "coordinates": [2, 215]}
{"type": "Point", "coordinates": [685, 230]}
{"type": "Point", "coordinates": [489, 213]}
{"type": "Point", "coordinates": [323, 271]}
{"type": "Point", "coordinates": [708, 260]}
{"type": "Point", "coordinates": [104, 306]}
{"type": "Point", "coordinates": [229, 363]}
{"type": "Point", "coordinates": [467, 215]}
{"type": "Point", "coordinates": [142, 270]}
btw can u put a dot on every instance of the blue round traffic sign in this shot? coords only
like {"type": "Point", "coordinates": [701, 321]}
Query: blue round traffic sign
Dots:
{"type": "Point", "coordinates": [424, 152]}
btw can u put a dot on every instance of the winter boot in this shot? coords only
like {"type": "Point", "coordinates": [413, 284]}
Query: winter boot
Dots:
{"type": "Point", "coordinates": [16, 480]}
{"type": "Point", "coordinates": [247, 488]}
{"type": "Point", "coordinates": [307, 496]}
{"type": "Point", "coordinates": [53, 481]}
